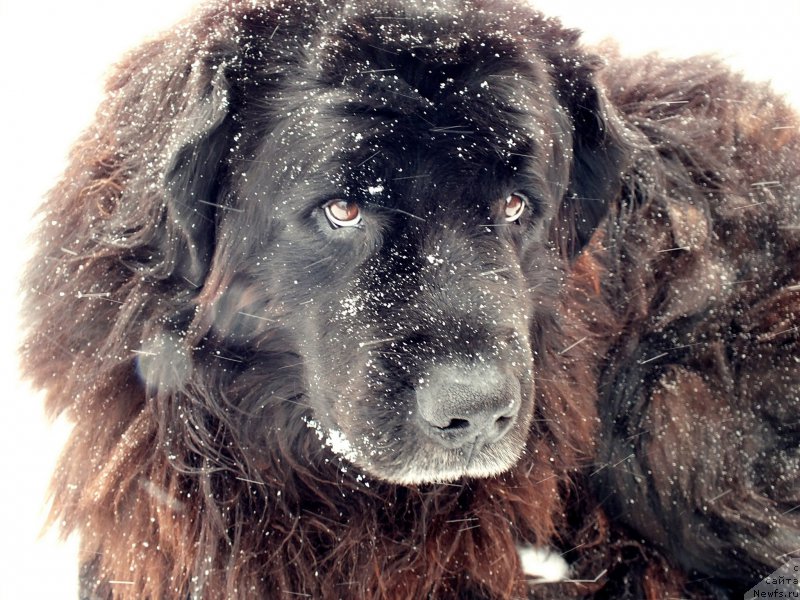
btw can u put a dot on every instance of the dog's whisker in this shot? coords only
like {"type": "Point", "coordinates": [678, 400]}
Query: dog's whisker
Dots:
{"type": "Point", "coordinates": [385, 50]}
{"type": "Point", "coordinates": [369, 158]}
{"type": "Point", "coordinates": [253, 481]}
{"type": "Point", "coordinates": [494, 271]}
{"type": "Point", "coordinates": [588, 199]}
{"type": "Point", "coordinates": [616, 464]}
{"type": "Point", "coordinates": [731, 100]}
{"type": "Point", "coordinates": [573, 548]}
{"type": "Point", "coordinates": [546, 478]}
{"type": "Point", "coordinates": [771, 336]}
{"type": "Point", "coordinates": [377, 342]}
{"type": "Point", "coordinates": [653, 358]}
{"type": "Point", "coordinates": [98, 296]}
{"type": "Point", "coordinates": [423, 176]}
{"type": "Point", "coordinates": [292, 365]}
{"type": "Point", "coordinates": [144, 353]}
{"type": "Point", "coordinates": [396, 93]}
{"type": "Point", "coordinates": [754, 204]}
{"type": "Point", "coordinates": [451, 130]}
{"type": "Point", "coordinates": [394, 353]}
{"type": "Point", "coordinates": [404, 212]}
{"type": "Point", "coordinates": [222, 206]}
{"type": "Point", "coordinates": [791, 552]}
{"type": "Point", "coordinates": [603, 466]}
{"type": "Point", "coordinates": [718, 496]}
{"type": "Point", "coordinates": [295, 402]}
{"type": "Point", "coordinates": [630, 438]}
{"type": "Point", "coordinates": [228, 358]}
{"type": "Point", "coordinates": [246, 314]}
{"type": "Point", "coordinates": [571, 346]}
{"type": "Point", "coordinates": [320, 261]}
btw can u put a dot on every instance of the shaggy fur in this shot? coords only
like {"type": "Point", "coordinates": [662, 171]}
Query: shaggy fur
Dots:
{"type": "Point", "coordinates": [245, 379]}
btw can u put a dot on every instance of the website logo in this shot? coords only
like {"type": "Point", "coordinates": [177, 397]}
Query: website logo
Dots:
{"type": "Point", "coordinates": [783, 584]}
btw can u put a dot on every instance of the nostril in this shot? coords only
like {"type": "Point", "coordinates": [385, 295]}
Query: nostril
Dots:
{"type": "Point", "coordinates": [502, 425]}
{"type": "Point", "coordinates": [455, 425]}
{"type": "Point", "coordinates": [502, 421]}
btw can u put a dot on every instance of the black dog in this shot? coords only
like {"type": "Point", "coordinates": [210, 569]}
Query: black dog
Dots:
{"type": "Point", "coordinates": [352, 299]}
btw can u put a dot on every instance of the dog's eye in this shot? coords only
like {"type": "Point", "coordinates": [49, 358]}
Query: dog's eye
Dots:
{"type": "Point", "coordinates": [341, 213]}
{"type": "Point", "coordinates": [514, 206]}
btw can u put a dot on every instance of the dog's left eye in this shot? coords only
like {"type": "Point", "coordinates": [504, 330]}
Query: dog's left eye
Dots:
{"type": "Point", "coordinates": [514, 206]}
{"type": "Point", "coordinates": [341, 213]}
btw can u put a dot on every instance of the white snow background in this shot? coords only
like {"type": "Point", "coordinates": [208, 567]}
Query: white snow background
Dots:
{"type": "Point", "coordinates": [53, 57]}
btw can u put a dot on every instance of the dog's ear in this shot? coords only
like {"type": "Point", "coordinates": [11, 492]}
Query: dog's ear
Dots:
{"type": "Point", "coordinates": [601, 152]}
{"type": "Point", "coordinates": [195, 169]}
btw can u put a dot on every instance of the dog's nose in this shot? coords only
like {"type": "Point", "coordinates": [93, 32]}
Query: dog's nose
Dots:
{"type": "Point", "coordinates": [461, 405]}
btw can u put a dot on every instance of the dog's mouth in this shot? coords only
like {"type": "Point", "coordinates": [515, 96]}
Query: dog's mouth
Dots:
{"type": "Point", "coordinates": [457, 423]}
{"type": "Point", "coordinates": [424, 462]}
{"type": "Point", "coordinates": [478, 459]}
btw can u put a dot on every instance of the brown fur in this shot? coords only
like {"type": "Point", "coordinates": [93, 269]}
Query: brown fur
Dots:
{"type": "Point", "coordinates": [664, 456]}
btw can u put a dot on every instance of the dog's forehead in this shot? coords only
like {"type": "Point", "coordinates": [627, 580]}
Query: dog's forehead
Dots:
{"type": "Point", "coordinates": [421, 63]}
{"type": "Point", "coordinates": [378, 88]}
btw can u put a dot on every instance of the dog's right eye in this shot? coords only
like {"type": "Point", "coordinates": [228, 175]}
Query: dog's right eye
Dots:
{"type": "Point", "coordinates": [341, 213]}
{"type": "Point", "coordinates": [514, 206]}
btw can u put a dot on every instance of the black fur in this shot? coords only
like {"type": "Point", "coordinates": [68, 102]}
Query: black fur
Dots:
{"type": "Point", "coordinates": [267, 403]}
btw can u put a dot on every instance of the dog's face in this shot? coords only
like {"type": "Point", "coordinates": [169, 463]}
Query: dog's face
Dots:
{"type": "Point", "coordinates": [393, 219]}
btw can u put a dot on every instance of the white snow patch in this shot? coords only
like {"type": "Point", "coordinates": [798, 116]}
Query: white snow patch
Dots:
{"type": "Point", "coordinates": [542, 564]}
{"type": "Point", "coordinates": [351, 305]}
{"type": "Point", "coordinates": [334, 439]}
{"type": "Point", "coordinates": [375, 189]}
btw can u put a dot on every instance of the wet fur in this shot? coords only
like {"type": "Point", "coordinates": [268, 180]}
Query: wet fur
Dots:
{"type": "Point", "coordinates": [655, 290]}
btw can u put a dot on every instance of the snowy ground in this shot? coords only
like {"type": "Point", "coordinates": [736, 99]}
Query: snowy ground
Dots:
{"type": "Point", "coordinates": [53, 56]}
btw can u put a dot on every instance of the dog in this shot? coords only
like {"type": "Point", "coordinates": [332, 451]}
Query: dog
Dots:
{"type": "Point", "coordinates": [362, 299]}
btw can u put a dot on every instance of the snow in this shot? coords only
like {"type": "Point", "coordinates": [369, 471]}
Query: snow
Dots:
{"type": "Point", "coordinates": [542, 564]}
{"type": "Point", "coordinates": [72, 48]}
{"type": "Point", "coordinates": [335, 440]}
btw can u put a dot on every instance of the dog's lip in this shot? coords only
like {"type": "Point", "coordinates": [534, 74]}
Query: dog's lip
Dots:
{"type": "Point", "coordinates": [479, 464]}
{"type": "Point", "coordinates": [480, 460]}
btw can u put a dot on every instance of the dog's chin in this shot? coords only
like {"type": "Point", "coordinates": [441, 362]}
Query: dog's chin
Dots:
{"type": "Point", "coordinates": [424, 461]}
{"type": "Point", "coordinates": [442, 467]}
